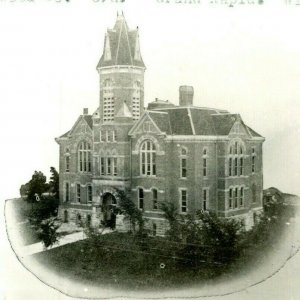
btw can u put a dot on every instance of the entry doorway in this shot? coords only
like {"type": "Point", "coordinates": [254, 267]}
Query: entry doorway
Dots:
{"type": "Point", "coordinates": [109, 204]}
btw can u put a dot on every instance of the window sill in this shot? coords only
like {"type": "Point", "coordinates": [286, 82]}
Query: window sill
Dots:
{"type": "Point", "coordinates": [86, 172]}
{"type": "Point", "coordinates": [235, 209]}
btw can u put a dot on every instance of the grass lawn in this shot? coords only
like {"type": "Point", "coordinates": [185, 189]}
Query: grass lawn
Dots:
{"type": "Point", "coordinates": [122, 261]}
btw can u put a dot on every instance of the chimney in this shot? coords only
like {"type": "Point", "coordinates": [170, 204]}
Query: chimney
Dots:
{"type": "Point", "coordinates": [85, 111]}
{"type": "Point", "coordinates": [186, 95]}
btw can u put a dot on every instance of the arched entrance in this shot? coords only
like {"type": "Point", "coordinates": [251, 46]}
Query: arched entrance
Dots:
{"type": "Point", "coordinates": [109, 204]}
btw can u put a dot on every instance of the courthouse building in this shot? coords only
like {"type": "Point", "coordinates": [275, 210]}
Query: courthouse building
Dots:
{"type": "Point", "coordinates": [196, 157]}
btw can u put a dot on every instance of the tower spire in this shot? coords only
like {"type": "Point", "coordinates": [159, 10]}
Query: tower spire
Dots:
{"type": "Point", "coordinates": [121, 71]}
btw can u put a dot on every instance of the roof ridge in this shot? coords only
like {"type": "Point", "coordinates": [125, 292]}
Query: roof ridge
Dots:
{"type": "Point", "coordinates": [129, 48]}
{"type": "Point", "coordinates": [119, 39]}
{"type": "Point", "coordinates": [158, 112]}
{"type": "Point", "coordinates": [191, 120]}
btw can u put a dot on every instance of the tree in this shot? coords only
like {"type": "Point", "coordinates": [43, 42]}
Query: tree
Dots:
{"type": "Point", "coordinates": [220, 237]}
{"type": "Point", "coordinates": [24, 190]}
{"type": "Point", "coordinates": [131, 212]}
{"type": "Point", "coordinates": [171, 214]}
{"type": "Point", "coordinates": [43, 209]}
{"type": "Point", "coordinates": [36, 186]}
{"type": "Point", "coordinates": [47, 232]}
{"type": "Point", "coordinates": [54, 182]}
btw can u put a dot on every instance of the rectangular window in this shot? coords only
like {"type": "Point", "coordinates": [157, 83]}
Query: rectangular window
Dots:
{"type": "Point", "coordinates": [242, 196]}
{"type": "Point", "coordinates": [102, 136]}
{"type": "Point", "coordinates": [154, 199]}
{"type": "Point", "coordinates": [183, 168]}
{"type": "Point", "coordinates": [67, 163]}
{"type": "Point", "coordinates": [183, 200]}
{"type": "Point", "coordinates": [236, 166]}
{"type": "Point", "coordinates": [102, 166]}
{"type": "Point", "coordinates": [253, 164]}
{"type": "Point", "coordinates": [205, 199]}
{"type": "Point", "coordinates": [241, 166]}
{"type": "Point", "coordinates": [115, 166]}
{"type": "Point", "coordinates": [230, 167]}
{"type": "Point", "coordinates": [67, 192]}
{"type": "Point", "coordinates": [78, 192]}
{"type": "Point", "coordinates": [89, 193]}
{"type": "Point", "coordinates": [204, 167]}
{"type": "Point", "coordinates": [141, 198]}
{"type": "Point", "coordinates": [236, 198]}
{"type": "Point", "coordinates": [109, 136]}
{"type": "Point", "coordinates": [114, 136]}
{"type": "Point", "coordinates": [230, 198]}
{"type": "Point", "coordinates": [108, 166]}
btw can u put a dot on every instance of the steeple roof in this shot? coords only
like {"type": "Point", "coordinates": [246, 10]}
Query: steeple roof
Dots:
{"type": "Point", "coordinates": [121, 46]}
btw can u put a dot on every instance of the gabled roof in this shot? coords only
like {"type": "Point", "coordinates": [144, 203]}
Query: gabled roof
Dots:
{"type": "Point", "coordinates": [194, 121]}
{"type": "Point", "coordinates": [86, 118]}
{"type": "Point", "coordinates": [253, 133]}
{"type": "Point", "coordinates": [65, 134]}
{"type": "Point", "coordinates": [161, 119]}
{"type": "Point", "coordinates": [223, 123]}
{"type": "Point", "coordinates": [121, 46]}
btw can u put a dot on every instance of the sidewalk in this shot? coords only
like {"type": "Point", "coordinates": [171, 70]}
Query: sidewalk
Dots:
{"type": "Point", "coordinates": [67, 239]}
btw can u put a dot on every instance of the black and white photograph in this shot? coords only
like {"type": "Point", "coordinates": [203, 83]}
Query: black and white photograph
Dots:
{"type": "Point", "coordinates": [150, 149]}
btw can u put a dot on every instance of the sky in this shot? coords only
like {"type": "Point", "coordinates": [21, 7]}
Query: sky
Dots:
{"type": "Point", "coordinates": [244, 59]}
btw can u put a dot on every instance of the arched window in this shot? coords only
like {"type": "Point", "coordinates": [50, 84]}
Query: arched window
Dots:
{"type": "Point", "coordinates": [67, 164]}
{"type": "Point", "coordinates": [89, 193]}
{"type": "Point", "coordinates": [183, 163]}
{"type": "Point", "coordinates": [107, 82]}
{"type": "Point", "coordinates": [242, 196]}
{"type": "Point", "coordinates": [148, 158]}
{"type": "Point", "coordinates": [236, 159]}
{"type": "Point", "coordinates": [154, 199]}
{"type": "Point", "coordinates": [84, 157]}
